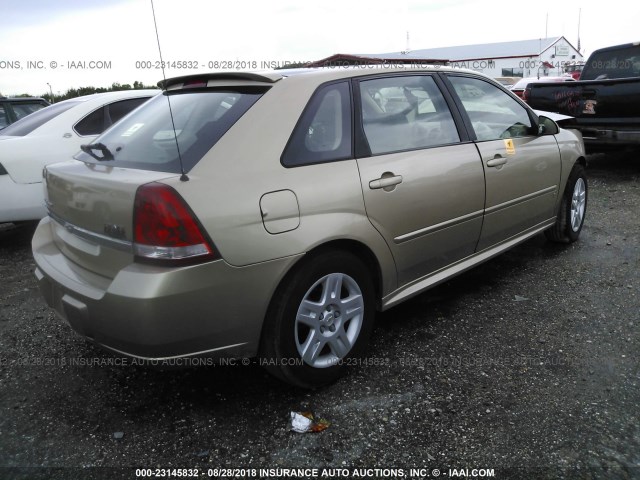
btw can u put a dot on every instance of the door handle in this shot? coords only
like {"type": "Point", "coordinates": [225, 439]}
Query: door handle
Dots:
{"type": "Point", "coordinates": [497, 161]}
{"type": "Point", "coordinates": [385, 182]}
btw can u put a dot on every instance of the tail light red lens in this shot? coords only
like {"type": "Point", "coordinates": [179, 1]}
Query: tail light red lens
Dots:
{"type": "Point", "coordinates": [165, 228]}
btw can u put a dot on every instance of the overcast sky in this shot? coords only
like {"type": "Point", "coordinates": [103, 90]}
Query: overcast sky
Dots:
{"type": "Point", "coordinates": [41, 38]}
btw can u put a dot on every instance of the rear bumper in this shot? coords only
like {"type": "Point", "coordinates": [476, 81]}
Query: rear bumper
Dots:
{"type": "Point", "coordinates": [156, 313]}
{"type": "Point", "coordinates": [20, 201]}
{"type": "Point", "coordinates": [607, 136]}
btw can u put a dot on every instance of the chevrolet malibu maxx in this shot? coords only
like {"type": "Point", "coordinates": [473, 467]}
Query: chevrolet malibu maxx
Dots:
{"type": "Point", "coordinates": [272, 214]}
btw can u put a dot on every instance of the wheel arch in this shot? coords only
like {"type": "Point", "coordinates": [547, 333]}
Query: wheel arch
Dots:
{"type": "Point", "coordinates": [363, 253]}
{"type": "Point", "coordinates": [353, 247]}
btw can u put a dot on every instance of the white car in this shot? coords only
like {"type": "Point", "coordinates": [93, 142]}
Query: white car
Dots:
{"type": "Point", "coordinates": [50, 135]}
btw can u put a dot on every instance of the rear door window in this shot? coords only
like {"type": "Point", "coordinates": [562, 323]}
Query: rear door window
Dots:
{"type": "Point", "coordinates": [405, 113]}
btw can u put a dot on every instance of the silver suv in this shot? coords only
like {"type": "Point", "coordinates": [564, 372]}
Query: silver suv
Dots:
{"type": "Point", "coordinates": [272, 214]}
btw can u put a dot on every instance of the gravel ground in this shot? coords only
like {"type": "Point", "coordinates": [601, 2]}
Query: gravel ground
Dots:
{"type": "Point", "coordinates": [527, 365]}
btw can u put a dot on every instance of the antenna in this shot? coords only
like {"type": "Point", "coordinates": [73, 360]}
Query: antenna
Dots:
{"type": "Point", "coordinates": [579, 15]}
{"type": "Point", "coordinates": [183, 176]}
{"type": "Point", "coordinates": [408, 48]}
{"type": "Point", "coordinates": [546, 26]}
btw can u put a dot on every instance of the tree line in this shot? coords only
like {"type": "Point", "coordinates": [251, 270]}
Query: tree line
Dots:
{"type": "Point", "coordinates": [78, 92]}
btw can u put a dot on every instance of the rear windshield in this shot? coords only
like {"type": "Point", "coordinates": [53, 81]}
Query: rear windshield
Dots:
{"type": "Point", "coordinates": [22, 109]}
{"type": "Point", "coordinates": [146, 139]}
{"type": "Point", "coordinates": [35, 120]}
{"type": "Point", "coordinates": [618, 63]}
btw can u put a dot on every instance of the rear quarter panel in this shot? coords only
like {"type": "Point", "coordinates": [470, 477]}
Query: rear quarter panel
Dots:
{"type": "Point", "coordinates": [227, 184]}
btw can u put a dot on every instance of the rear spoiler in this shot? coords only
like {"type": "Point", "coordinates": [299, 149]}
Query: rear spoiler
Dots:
{"type": "Point", "coordinates": [178, 82]}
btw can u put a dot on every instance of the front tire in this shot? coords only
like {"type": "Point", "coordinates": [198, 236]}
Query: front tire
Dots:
{"type": "Point", "coordinates": [573, 208]}
{"type": "Point", "coordinates": [320, 318]}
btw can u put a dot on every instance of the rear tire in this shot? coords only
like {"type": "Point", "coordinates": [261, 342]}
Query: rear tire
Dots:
{"type": "Point", "coordinates": [573, 208]}
{"type": "Point", "coordinates": [321, 318]}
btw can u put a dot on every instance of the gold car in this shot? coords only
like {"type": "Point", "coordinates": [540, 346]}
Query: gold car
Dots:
{"type": "Point", "coordinates": [271, 214]}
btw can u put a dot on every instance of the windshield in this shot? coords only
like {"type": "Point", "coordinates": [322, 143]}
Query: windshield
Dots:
{"type": "Point", "coordinates": [146, 139]}
{"type": "Point", "coordinates": [28, 124]}
{"type": "Point", "coordinates": [613, 63]}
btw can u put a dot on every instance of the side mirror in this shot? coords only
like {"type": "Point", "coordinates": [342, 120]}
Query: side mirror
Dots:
{"type": "Point", "coordinates": [546, 126]}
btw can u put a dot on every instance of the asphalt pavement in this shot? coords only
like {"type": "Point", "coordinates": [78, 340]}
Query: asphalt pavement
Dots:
{"type": "Point", "coordinates": [525, 367]}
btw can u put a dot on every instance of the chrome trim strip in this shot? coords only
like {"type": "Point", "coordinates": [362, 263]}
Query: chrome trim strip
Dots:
{"type": "Point", "coordinates": [440, 226]}
{"type": "Point", "coordinates": [515, 201]}
{"type": "Point", "coordinates": [418, 286]}
{"type": "Point", "coordinates": [96, 238]}
{"type": "Point", "coordinates": [202, 353]}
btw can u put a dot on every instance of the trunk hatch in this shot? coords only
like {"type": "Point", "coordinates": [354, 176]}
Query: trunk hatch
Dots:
{"type": "Point", "coordinates": [92, 208]}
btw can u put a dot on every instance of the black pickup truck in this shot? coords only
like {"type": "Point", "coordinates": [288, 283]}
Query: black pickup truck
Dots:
{"type": "Point", "coordinates": [605, 103]}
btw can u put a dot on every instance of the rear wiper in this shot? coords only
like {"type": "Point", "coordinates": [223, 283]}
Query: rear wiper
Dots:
{"type": "Point", "coordinates": [101, 147]}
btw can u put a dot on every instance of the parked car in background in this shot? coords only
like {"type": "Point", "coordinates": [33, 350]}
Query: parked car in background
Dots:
{"type": "Point", "coordinates": [13, 109]}
{"type": "Point", "coordinates": [520, 86]}
{"type": "Point", "coordinates": [49, 135]}
{"type": "Point", "coordinates": [574, 69]}
{"type": "Point", "coordinates": [271, 214]}
{"type": "Point", "coordinates": [507, 82]}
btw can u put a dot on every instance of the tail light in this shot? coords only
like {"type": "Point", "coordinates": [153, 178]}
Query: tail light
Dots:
{"type": "Point", "coordinates": [166, 230]}
{"type": "Point", "coordinates": [525, 93]}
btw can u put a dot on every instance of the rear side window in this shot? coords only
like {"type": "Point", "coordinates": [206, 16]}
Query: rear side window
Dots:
{"type": "Point", "coordinates": [405, 113]}
{"type": "Point", "coordinates": [4, 121]}
{"type": "Point", "coordinates": [29, 123]}
{"type": "Point", "coordinates": [614, 63]}
{"type": "Point", "coordinates": [146, 139]}
{"type": "Point", "coordinates": [98, 121]}
{"type": "Point", "coordinates": [21, 110]}
{"type": "Point", "coordinates": [323, 133]}
{"type": "Point", "coordinates": [119, 110]}
{"type": "Point", "coordinates": [494, 114]}
{"type": "Point", "coordinates": [92, 124]}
